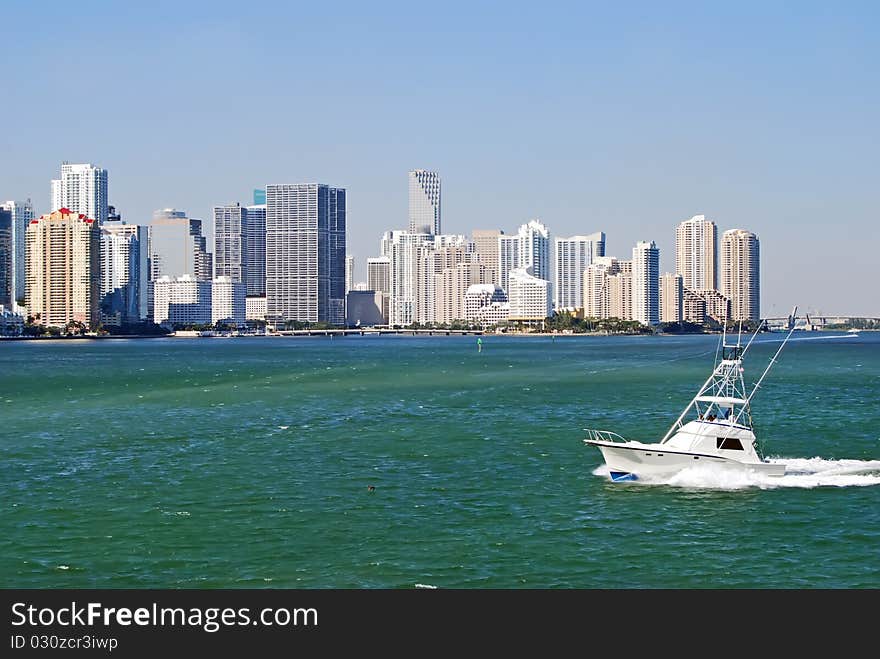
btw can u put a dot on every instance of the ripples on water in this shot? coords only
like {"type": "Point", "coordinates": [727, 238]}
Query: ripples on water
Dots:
{"type": "Point", "coordinates": [248, 463]}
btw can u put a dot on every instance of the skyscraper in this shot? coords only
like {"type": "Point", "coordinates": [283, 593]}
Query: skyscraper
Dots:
{"type": "Point", "coordinates": [124, 273]}
{"type": "Point", "coordinates": [22, 212]}
{"type": "Point", "coordinates": [177, 246]}
{"type": "Point", "coordinates": [646, 283]}
{"type": "Point", "coordinates": [349, 274]}
{"type": "Point", "coordinates": [424, 202]}
{"type": "Point", "coordinates": [6, 264]}
{"type": "Point", "coordinates": [63, 269]}
{"type": "Point", "coordinates": [529, 296]}
{"type": "Point", "coordinates": [696, 253]}
{"type": "Point", "coordinates": [671, 297]}
{"type": "Point", "coordinates": [528, 248]}
{"type": "Point", "coordinates": [740, 273]}
{"type": "Point", "coordinates": [230, 242]}
{"type": "Point", "coordinates": [573, 255]}
{"type": "Point", "coordinates": [255, 265]}
{"type": "Point", "coordinates": [486, 247]}
{"type": "Point", "coordinates": [305, 253]}
{"type": "Point", "coordinates": [379, 274]}
{"type": "Point", "coordinates": [82, 188]}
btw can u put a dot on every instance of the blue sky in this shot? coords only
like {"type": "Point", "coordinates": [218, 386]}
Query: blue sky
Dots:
{"type": "Point", "coordinates": [625, 119]}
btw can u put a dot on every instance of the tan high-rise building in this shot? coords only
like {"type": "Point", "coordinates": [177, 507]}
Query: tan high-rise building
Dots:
{"type": "Point", "coordinates": [740, 274]}
{"type": "Point", "coordinates": [620, 295]}
{"type": "Point", "coordinates": [595, 287]}
{"type": "Point", "coordinates": [63, 269]}
{"type": "Point", "coordinates": [486, 248]}
{"type": "Point", "coordinates": [671, 293]}
{"type": "Point", "coordinates": [696, 253]}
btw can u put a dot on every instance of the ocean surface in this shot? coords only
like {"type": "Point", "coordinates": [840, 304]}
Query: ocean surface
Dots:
{"type": "Point", "coordinates": [218, 463]}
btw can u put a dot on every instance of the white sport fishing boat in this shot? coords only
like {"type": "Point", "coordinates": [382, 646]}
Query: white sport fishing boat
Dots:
{"type": "Point", "coordinates": [720, 432]}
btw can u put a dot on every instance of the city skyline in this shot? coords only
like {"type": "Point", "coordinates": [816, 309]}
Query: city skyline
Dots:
{"type": "Point", "coordinates": [720, 134]}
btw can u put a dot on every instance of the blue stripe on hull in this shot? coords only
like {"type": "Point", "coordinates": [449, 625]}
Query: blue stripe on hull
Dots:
{"type": "Point", "coordinates": [619, 476]}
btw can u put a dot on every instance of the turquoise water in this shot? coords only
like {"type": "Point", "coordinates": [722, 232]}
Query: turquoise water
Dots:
{"type": "Point", "coordinates": [247, 463]}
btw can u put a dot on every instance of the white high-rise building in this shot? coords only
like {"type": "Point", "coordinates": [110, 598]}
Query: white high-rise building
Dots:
{"type": "Point", "coordinates": [379, 274]}
{"type": "Point", "coordinates": [228, 301]}
{"type": "Point", "coordinates": [230, 242]}
{"type": "Point", "coordinates": [21, 213]}
{"type": "Point", "coordinates": [82, 188]}
{"type": "Point", "coordinates": [696, 253]}
{"type": "Point", "coordinates": [124, 273]}
{"type": "Point", "coordinates": [182, 301]}
{"type": "Point", "coordinates": [349, 274]}
{"type": "Point", "coordinates": [528, 248]}
{"type": "Point", "coordinates": [740, 273]}
{"type": "Point", "coordinates": [529, 296]}
{"type": "Point", "coordinates": [671, 296]}
{"type": "Point", "coordinates": [646, 283]}
{"type": "Point", "coordinates": [405, 250]}
{"type": "Point", "coordinates": [424, 202]}
{"type": "Point", "coordinates": [573, 256]}
{"type": "Point", "coordinates": [305, 253]}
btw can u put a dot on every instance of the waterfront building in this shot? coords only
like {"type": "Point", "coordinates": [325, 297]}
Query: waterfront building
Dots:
{"type": "Point", "coordinates": [124, 273]}
{"type": "Point", "coordinates": [82, 189]}
{"type": "Point", "coordinates": [63, 269]}
{"type": "Point", "coordinates": [181, 301]}
{"type": "Point", "coordinates": [717, 305]}
{"type": "Point", "coordinates": [255, 308]}
{"type": "Point", "coordinates": [228, 301]}
{"type": "Point", "coordinates": [424, 202]}
{"type": "Point", "coordinates": [671, 293]}
{"type": "Point", "coordinates": [230, 242]}
{"type": "Point", "coordinates": [255, 263]}
{"type": "Point", "coordinates": [740, 273]}
{"type": "Point", "coordinates": [11, 323]}
{"type": "Point", "coordinates": [379, 274]}
{"type": "Point", "coordinates": [305, 253]}
{"type": "Point", "coordinates": [573, 256]}
{"type": "Point", "coordinates": [478, 296]}
{"type": "Point", "coordinates": [21, 213]}
{"type": "Point", "coordinates": [646, 283]}
{"type": "Point", "coordinates": [7, 291]}
{"type": "Point", "coordinates": [693, 307]}
{"type": "Point", "coordinates": [620, 293]}
{"type": "Point", "coordinates": [696, 253]}
{"type": "Point", "coordinates": [529, 296]}
{"type": "Point", "coordinates": [451, 285]}
{"type": "Point", "coordinates": [595, 286]}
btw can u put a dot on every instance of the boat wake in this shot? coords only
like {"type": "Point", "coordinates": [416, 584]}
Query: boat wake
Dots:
{"type": "Point", "coordinates": [800, 472]}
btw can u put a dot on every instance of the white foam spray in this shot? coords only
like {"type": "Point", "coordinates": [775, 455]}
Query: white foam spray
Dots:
{"type": "Point", "coordinates": [799, 472]}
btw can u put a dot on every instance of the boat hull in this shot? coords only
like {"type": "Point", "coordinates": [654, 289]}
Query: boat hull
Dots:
{"type": "Point", "coordinates": [631, 461]}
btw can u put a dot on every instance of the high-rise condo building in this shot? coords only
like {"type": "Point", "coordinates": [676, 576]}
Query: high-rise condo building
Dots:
{"type": "Point", "coordinates": [124, 273]}
{"type": "Point", "coordinates": [181, 301]}
{"type": "Point", "coordinates": [671, 294]}
{"type": "Point", "coordinates": [646, 283]}
{"type": "Point", "coordinates": [349, 274]}
{"type": "Point", "coordinates": [230, 242]}
{"type": "Point", "coordinates": [573, 256]}
{"type": "Point", "coordinates": [6, 265]}
{"type": "Point", "coordinates": [595, 286]}
{"type": "Point", "coordinates": [305, 253]}
{"type": "Point", "coordinates": [82, 189]}
{"type": "Point", "coordinates": [740, 273]}
{"type": "Point", "coordinates": [424, 202]}
{"type": "Point", "coordinates": [379, 274]}
{"type": "Point", "coordinates": [63, 269]}
{"type": "Point", "coordinates": [529, 296]}
{"type": "Point", "coordinates": [178, 247]}
{"type": "Point", "coordinates": [529, 248]}
{"type": "Point", "coordinates": [21, 213]}
{"type": "Point", "coordinates": [255, 264]}
{"type": "Point", "coordinates": [696, 253]}
{"type": "Point", "coordinates": [486, 249]}
{"type": "Point", "coordinates": [228, 302]}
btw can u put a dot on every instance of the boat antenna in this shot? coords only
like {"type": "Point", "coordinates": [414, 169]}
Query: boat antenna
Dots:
{"type": "Point", "coordinates": [763, 375]}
